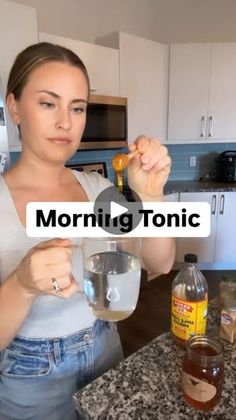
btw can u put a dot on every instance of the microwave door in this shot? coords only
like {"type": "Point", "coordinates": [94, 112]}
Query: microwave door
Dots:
{"type": "Point", "coordinates": [106, 125]}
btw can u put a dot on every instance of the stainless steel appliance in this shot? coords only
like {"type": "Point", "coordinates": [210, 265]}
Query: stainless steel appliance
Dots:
{"type": "Point", "coordinates": [227, 166]}
{"type": "Point", "coordinates": [106, 126]}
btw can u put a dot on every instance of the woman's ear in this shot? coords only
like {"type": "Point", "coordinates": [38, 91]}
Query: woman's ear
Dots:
{"type": "Point", "coordinates": [12, 105]}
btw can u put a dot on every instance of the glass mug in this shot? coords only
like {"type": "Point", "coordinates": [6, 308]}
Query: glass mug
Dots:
{"type": "Point", "coordinates": [112, 272]}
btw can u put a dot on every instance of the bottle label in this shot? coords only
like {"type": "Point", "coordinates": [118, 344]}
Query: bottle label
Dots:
{"type": "Point", "coordinates": [188, 318]}
{"type": "Point", "coordinates": [197, 389]}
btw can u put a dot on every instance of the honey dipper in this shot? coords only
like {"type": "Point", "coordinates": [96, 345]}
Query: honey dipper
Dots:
{"type": "Point", "coordinates": [120, 160]}
{"type": "Point", "coordinates": [119, 163]}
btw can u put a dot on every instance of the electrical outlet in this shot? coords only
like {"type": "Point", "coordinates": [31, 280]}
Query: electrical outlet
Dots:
{"type": "Point", "coordinates": [192, 161]}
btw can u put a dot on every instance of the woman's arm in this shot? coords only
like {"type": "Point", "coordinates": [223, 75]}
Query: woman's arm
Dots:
{"type": "Point", "coordinates": [158, 254]}
{"type": "Point", "coordinates": [15, 305]}
{"type": "Point", "coordinates": [33, 277]}
{"type": "Point", "coordinates": [147, 174]}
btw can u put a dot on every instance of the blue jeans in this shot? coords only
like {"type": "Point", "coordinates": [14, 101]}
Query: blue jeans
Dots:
{"type": "Point", "coordinates": [38, 377]}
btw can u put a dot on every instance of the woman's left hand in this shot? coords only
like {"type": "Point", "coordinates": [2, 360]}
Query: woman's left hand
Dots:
{"type": "Point", "coordinates": [148, 171]}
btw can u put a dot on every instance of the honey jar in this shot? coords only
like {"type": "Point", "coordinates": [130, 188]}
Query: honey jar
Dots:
{"type": "Point", "coordinates": [202, 372]}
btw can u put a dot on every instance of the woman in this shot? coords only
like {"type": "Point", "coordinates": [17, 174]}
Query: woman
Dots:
{"type": "Point", "coordinates": [50, 342]}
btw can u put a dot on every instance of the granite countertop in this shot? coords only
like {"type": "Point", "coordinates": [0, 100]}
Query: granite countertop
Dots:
{"type": "Point", "coordinates": [198, 186]}
{"type": "Point", "coordinates": [146, 385]}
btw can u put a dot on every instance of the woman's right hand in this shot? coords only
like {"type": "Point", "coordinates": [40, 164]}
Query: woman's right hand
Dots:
{"type": "Point", "coordinates": [46, 261]}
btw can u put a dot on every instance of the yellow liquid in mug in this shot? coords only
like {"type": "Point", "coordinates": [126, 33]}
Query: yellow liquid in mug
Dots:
{"type": "Point", "coordinates": [111, 284]}
{"type": "Point", "coordinates": [112, 315]}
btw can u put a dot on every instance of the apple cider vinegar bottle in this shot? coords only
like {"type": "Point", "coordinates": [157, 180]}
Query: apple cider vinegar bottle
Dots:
{"type": "Point", "coordinates": [189, 302]}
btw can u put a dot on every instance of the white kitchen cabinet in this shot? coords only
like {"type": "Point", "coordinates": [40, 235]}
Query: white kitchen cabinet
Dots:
{"type": "Point", "coordinates": [202, 93]}
{"type": "Point", "coordinates": [219, 246]}
{"type": "Point", "coordinates": [226, 228]}
{"type": "Point", "coordinates": [222, 97]}
{"type": "Point", "coordinates": [144, 81]}
{"type": "Point", "coordinates": [101, 62]}
{"type": "Point", "coordinates": [188, 91]}
{"type": "Point", "coordinates": [18, 29]}
{"type": "Point", "coordinates": [202, 247]}
{"type": "Point", "coordinates": [168, 198]}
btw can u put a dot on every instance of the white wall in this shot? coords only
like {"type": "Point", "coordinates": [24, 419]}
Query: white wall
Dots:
{"type": "Point", "coordinates": [161, 20]}
{"type": "Point", "coordinates": [88, 19]}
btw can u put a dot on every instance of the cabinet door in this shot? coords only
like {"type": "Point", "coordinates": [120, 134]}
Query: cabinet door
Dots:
{"type": "Point", "coordinates": [226, 228]}
{"type": "Point", "coordinates": [188, 92]}
{"type": "Point", "coordinates": [222, 103]}
{"type": "Point", "coordinates": [144, 81]}
{"type": "Point", "coordinates": [18, 29]}
{"type": "Point", "coordinates": [102, 63]}
{"type": "Point", "coordinates": [203, 247]}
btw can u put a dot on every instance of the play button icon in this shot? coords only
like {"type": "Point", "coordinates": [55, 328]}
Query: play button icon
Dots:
{"type": "Point", "coordinates": [115, 214]}
{"type": "Point", "coordinates": [117, 209]}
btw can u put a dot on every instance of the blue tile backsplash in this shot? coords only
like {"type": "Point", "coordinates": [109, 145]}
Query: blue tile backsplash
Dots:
{"type": "Point", "coordinates": [85, 156]}
{"type": "Point", "coordinates": [88, 156]}
{"type": "Point", "coordinates": [206, 155]}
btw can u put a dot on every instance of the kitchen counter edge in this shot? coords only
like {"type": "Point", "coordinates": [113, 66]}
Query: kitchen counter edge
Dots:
{"type": "Point", "coordinates": [172, 187]}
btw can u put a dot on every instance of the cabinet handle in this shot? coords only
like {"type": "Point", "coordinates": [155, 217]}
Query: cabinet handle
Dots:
{"type": "Point", "coordinates": [203, 122]}
{"type": "Point", "coordinates": [210, 126]}
{"type": "Point", "coordinates": [222, 204]}
{"type": "Point", "coordinates": [213, 204]}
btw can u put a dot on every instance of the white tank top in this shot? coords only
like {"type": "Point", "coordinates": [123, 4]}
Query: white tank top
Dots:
{"type": "Point", "coordinates": [49, 316]}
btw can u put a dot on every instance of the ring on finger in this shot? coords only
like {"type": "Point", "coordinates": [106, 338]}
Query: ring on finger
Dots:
{"type": "Point", "coordinates": [55, 285]}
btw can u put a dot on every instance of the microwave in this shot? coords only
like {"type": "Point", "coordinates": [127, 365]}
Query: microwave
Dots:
{"type": "Point", "coordinates": [106, 123]}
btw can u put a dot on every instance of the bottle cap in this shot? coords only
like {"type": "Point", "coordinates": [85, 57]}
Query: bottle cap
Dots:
{"type": "Point", "coordinates": [190, 258]}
